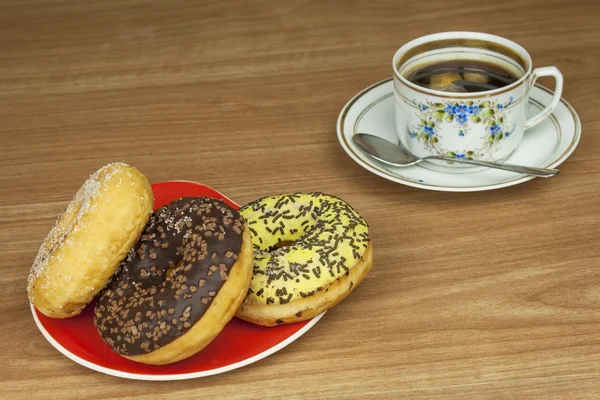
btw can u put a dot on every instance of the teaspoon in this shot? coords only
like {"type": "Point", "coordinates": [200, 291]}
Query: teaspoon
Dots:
{"type": "Point", "coordinates": [396, 155]}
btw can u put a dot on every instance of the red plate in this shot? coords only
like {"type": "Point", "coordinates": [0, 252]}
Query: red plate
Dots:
{"type": "Point", "coordinates": [239, 344]}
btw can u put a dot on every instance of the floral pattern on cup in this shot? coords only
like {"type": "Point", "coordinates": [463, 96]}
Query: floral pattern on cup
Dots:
{"type": "Point", "coordinates": [461, 115]}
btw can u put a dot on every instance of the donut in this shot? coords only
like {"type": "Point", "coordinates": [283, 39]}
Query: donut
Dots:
{"type": "Point", "coordinates": [89, 240]}
{"type": "Point", "coordinates": [310, 251]}
{"type": "Point", "coordinates": [180, 283]}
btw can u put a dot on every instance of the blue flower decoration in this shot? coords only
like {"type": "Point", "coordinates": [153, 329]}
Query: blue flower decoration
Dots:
{"type": "Point", "coordinates": [506, 134]}
{"type": "Point", "coordinates": [424, 107]}
{"type": "Point", "coordinates": [449, 109]}
{"type": "Point", "coordinates": [510, 99]}
{"type": "Point", "coordinates": [500, 106]}
{"type": "Point", "coordinates": [462, 109]}
{"type": "Point", "coordinates": [428, 130]}
{"type": "Point", "coordinates": [474, 110]}
{"type": "Point", "coordinates": [461, 119]}
{"type": "Point", "coordinates": [494, 129]}
{"type": "Point", "coordinates": [460, 155]}
{"type": "Point", "coordinates": [461, 133]}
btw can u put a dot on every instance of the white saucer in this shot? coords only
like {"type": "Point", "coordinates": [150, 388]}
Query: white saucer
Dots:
{"type": "Point", "coordinates": [545, 145]}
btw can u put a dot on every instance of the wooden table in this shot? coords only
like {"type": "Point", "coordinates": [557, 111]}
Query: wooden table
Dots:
{"type": "Point", "coordinates": [476, 295]}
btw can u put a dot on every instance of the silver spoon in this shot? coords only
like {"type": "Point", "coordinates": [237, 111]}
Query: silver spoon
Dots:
{"type": "Point", "coordinates": [395, 154]}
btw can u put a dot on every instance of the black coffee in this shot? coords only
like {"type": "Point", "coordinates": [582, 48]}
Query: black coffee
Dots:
{"type": "Point", "coordinates": [465, 76]}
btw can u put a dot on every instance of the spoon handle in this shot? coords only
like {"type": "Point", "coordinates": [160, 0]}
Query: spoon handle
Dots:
{"type": "Point", "coordinates": [541, 172]}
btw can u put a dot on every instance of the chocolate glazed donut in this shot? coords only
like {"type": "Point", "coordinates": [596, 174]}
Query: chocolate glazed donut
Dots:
{"type": "Point", "coordinates": [192, 264]}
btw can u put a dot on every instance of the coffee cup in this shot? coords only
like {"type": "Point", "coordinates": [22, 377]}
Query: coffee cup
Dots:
{"type": "Point", "coordinates": [464, 95]}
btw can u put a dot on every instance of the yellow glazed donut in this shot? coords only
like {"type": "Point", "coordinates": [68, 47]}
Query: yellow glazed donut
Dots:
{"type": "Point", "coordinates": [310, 251]}
{"type": "Point", "coordinates": [89, 240]}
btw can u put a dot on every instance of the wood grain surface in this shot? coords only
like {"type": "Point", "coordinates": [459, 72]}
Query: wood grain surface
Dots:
{"type": "Point", "coordinates": [490, 295]}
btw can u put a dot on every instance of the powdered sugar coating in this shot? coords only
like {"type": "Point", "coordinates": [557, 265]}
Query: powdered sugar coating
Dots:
{"type": "Point", "coordinates": [70, 221]}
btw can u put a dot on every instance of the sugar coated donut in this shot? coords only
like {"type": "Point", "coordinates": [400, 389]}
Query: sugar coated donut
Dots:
{"type": "Point", "coordinates": [180, 284]}
{"type": "Point", "coordinates": [89, 240]}
{"type": "Point", "coordinates": [310, 251]}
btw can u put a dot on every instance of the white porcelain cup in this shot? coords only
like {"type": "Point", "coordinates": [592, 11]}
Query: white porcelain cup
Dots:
{"type": "Point", "coordinates": [486, 125]}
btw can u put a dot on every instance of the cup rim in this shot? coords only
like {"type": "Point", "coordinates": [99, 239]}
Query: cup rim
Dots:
{"type": "Point", "coordinates": [462, 35]}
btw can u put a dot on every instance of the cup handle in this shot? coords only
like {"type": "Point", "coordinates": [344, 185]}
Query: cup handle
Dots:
{"type": "Point", "coordinates": [545, 113]}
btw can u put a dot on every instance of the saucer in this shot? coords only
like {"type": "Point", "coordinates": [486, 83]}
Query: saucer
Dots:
{"type": "Point", "coordinates": [546, 145]}
{"type": "Point", "coordinates": [239, 344]}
